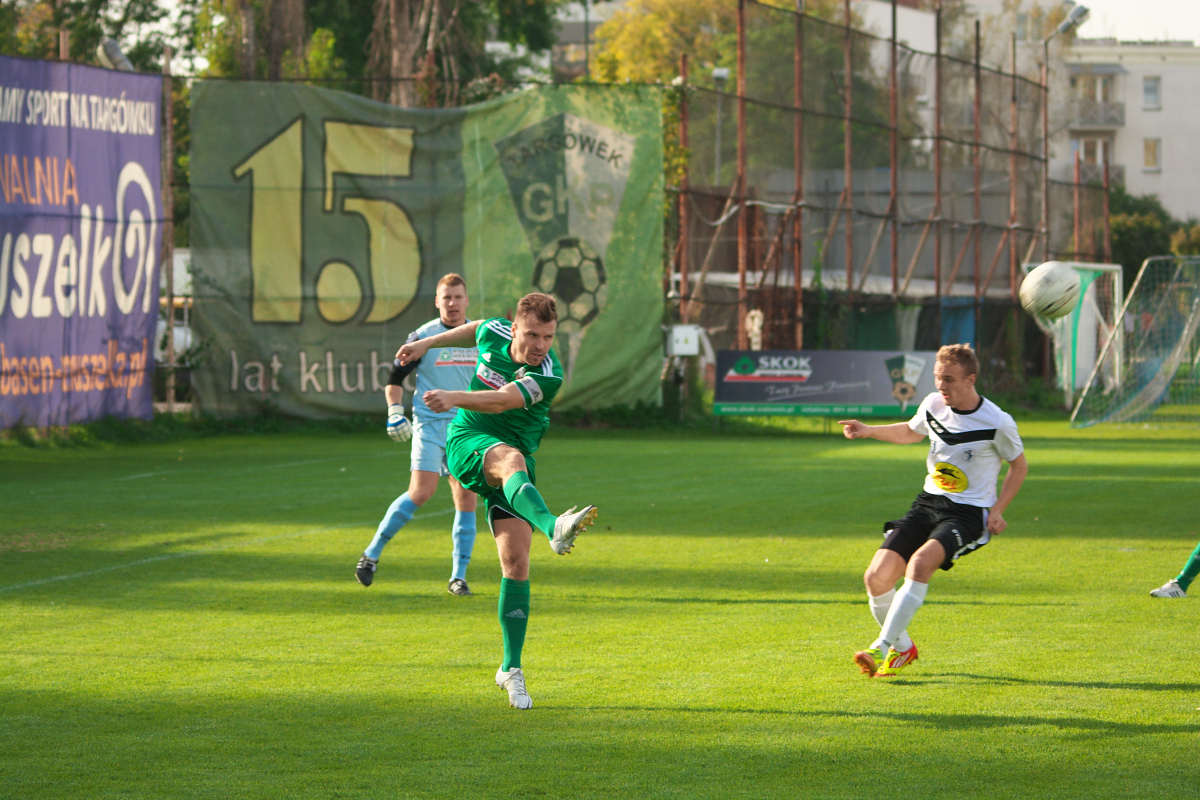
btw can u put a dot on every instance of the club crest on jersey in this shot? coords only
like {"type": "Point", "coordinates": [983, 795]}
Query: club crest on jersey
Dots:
{"type": "Point", "coordinates": [520, 373]}
{"type": "Point", "coordinates": [949, 478]}
{"type": "Point", "coordinates": [490, 377]}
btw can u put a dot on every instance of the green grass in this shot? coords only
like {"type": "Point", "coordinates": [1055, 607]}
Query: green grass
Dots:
{"type": "Point", "coordinates": [180, 620]}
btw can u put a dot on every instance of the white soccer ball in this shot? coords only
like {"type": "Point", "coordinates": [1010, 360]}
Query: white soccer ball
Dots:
{"type": "Point", "coordinates": [1051, 290]}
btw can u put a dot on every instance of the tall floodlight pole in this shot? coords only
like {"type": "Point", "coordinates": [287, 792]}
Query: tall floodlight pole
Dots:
{"type": "Point", "coordinates": [1077, 16]}
{"type": "Point", "coordinates": [937, 163]}
{"type": "Point", "coordinates": [894, 158]}
{"type": "Point", "coordinates": [743, 259]}
{"type": "Point", "coordinates": [798, 155]}
{"type": "Point", "coordinates": [168, 179]}
{"type": "Point", "coordinates": [848, 150]}
{"type": "Point", "coordinates": [685, 198]}
{"type": "Point", "coordinates": [719, 76]}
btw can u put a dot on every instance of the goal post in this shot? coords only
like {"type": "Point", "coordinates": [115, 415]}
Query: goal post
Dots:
{"type": "Point", "coordinates": [1088, 341]}
{"type": "Point", "coordinates": [1155, 350]}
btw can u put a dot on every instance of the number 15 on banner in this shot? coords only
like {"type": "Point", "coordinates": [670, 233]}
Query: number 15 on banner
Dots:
{"type": "Point", "coordinates": [276, 224]}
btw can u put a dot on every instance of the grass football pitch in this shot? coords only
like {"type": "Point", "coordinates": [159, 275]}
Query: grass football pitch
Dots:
{"type": "Point", "coordinates": [181, 620]}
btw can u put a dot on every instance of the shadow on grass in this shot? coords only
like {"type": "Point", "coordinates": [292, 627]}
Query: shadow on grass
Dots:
{"type": "Point", "coordinates": [1010, 681]}
{"type": "Point", "coordinates": [947, 722]}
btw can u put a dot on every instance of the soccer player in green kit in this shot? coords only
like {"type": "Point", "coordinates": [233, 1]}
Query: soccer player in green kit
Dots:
{"type": "Point", "coordinates": [490, 446]}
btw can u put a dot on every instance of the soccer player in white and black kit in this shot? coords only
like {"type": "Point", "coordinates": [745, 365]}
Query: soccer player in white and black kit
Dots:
{"type": "Point", "coordinates": [958, 511]}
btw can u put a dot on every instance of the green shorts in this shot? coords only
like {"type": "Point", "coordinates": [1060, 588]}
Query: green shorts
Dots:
{"type": "Point", "coordinates": [465, 450]}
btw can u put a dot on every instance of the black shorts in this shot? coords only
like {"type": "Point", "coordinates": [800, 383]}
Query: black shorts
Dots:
{"type": "Point", "coordinates": [959, 528]}
{"type": "Point", "coordinates": [496, 513]}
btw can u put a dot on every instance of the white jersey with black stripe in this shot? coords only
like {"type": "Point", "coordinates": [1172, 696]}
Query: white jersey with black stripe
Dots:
{"type": "Point", "coordinates": [966, 448]}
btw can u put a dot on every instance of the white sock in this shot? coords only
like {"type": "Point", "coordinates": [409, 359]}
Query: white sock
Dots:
{"type": "Point", "coordinates": [880, 604]}
{"type": "Point", "coordinates": [908, 599]}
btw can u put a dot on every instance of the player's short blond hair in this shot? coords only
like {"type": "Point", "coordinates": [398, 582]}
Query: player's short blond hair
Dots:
{"type": "Point", "coordinates": [451, 279]}
{"type": "Point", "coordinates": [962, 355]}
{"type": "Point", "coordinates": [539, 306]}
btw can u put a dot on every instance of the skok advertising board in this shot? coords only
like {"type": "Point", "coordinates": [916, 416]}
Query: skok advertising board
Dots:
{"type": "Point", "coordinates": [80, 241]}
{"type": "Point", "coordinates": [322, 221]}
{"type": "Point", "coordinates": [864, 383]}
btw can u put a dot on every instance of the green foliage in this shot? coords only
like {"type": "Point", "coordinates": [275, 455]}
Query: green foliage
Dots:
{"type": "Point", "coordinates": [1186, 241]}
{"type": "Point", "coordinates": [1122, 202]}
{"type": "Point", "coordinates": [196, 613]}
{"type": "Point", "coordinates": [1136, 237]}
{"type": "Point", "coordinates": [30, 29]}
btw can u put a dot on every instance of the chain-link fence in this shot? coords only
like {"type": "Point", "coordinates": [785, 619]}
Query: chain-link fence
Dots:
{"type": "Point", "coordinates": [902, 190]}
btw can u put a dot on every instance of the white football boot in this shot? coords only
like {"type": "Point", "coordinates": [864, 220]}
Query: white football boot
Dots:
{"type": "Point", "coordinates": [1169, 589]}
{"type": "Point", "coordinates": [570, 525]}
{"type": "Point", "coordinates": [513, 682]}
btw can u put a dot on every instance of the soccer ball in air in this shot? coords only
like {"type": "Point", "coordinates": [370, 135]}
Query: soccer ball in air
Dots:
{"type": "Point", "coordinates": [571, 271]}
{"type": "Point", "coordinates": [1051, 290]}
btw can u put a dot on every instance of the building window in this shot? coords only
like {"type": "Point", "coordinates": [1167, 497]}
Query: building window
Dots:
{"type": "Point", "coordinates": [1152, 93]}
{"type": "Point", "coordinates": [1153, 155]}
{"type": "Point", "coordinates": [1096, 88]}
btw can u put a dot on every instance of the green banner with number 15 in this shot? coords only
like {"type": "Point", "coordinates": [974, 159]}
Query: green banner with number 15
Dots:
{"type": "Point", "coordinates": [321, 222]}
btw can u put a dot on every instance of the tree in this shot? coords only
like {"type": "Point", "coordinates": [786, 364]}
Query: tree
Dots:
{"type": "Point", "coordinates": [407, 52]}
{"type": "Point", "coordinates": [1141, 227]}
{"type": "Point", "coordinates": [29, 28]}
{"type": "Point", "coordinates": [422, 52]}
{"type": "Point", "coordinates": [1186, 241]}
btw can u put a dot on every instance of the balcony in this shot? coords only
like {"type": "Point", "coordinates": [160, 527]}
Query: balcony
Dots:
{"type": "Point", "coordinates": [1097, 114]}
{"type": "Point", "coordinates": [1094, 173]}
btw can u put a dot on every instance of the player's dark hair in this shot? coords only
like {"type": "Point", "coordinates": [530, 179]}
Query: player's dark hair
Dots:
{"type": "Point", "coordinates": [960, 354]}
{"type": "Point", "coordinates": [539, 306]}
{"type": "Point", "coordinates": [452, 279]}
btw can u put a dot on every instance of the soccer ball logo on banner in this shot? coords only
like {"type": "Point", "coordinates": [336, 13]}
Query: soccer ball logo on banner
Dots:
{"type": "Point", "coordinates": [571, 270]}
{"type": "Point", "coordinates": [566, 176]}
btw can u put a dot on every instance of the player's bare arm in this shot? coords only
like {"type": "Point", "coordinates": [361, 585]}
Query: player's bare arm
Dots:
{"type": "Point", "coordinates": [1018, 468]}
{"type": "Point", "coordinates": [896, 433]}
{"type": "Point", "coordinates": [462, 336]}
{"type": "Point", "coordinates": [486, 402]}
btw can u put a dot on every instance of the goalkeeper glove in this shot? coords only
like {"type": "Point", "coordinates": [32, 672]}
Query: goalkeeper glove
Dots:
{"type": "Point", "coordinates": [398, 427]}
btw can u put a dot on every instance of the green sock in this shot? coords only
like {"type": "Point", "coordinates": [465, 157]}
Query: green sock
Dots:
{"type": "Point", "coordinates": [514, 616]}
{"type": "Point", "coordinates": [1190, 570]}
{"type": "Point", "coordinates": [527, 502]}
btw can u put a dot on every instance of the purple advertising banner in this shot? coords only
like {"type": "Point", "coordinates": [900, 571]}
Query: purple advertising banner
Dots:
{"type": "Point", "coordinates": [80, 241]}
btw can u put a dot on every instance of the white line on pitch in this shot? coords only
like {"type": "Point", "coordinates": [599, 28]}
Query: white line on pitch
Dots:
{"type": "Point", "coordinates": [205, 551]}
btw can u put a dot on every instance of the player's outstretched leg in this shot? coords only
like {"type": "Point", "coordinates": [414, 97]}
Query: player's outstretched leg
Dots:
{"type": "Point", "coordinates": [463, 534]}
{"type": "Point", "coordinates": [1178, 586]}
{"type": "Point", "coordinates": [562, 530]}
{"type": "Point", "coordinates": [398, 514]}
{"type": "Point", "coordinates": [514, 618]}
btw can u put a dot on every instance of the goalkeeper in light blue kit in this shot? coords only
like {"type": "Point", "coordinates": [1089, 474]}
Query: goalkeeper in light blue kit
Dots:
{"type": "Point", "coordinates": [447, 369]}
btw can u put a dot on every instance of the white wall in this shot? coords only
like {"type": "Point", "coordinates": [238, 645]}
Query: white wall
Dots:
{"type": "Point", "coordinates": [1177, 123]}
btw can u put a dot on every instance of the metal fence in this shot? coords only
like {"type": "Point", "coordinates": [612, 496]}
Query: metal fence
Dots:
{"type": "Point", "coordinates": [872, 175]}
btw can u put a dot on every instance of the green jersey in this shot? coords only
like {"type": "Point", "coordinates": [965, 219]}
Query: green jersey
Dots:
{"type": "Point", "coordinates": [520, 427]}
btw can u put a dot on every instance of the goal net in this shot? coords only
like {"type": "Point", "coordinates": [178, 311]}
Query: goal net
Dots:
{"type": "Point", "coordinates": [1080, 337]}
{"type": "Point", "coordinates": [1154, 352]}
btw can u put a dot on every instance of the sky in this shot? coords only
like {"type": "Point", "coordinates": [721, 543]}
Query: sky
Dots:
{"type": "Point", "coordinates": [1143, 19]}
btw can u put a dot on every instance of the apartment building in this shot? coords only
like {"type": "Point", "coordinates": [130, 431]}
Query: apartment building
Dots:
{"type": "Point", "coordinates": [1134, 105]}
